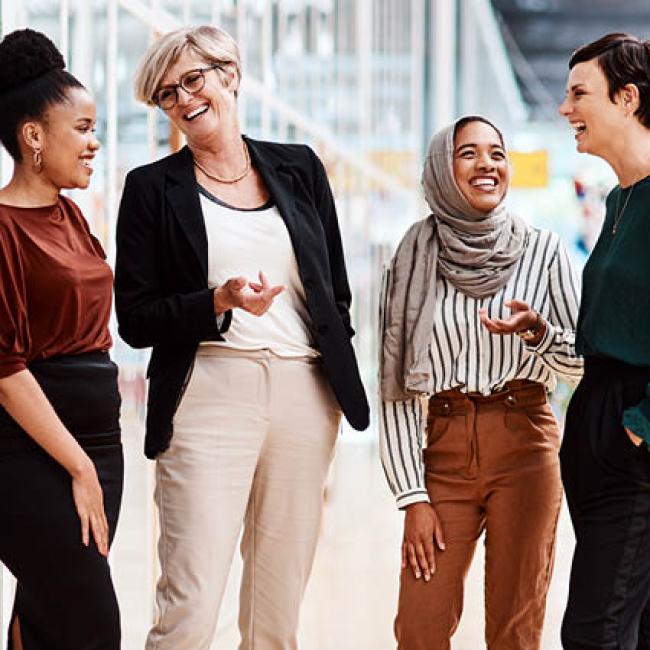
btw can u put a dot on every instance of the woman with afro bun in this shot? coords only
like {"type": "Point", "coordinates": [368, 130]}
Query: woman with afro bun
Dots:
{"type": "Point", "coordinates": [61, 464]}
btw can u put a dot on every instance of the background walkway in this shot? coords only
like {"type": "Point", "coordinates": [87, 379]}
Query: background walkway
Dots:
{"type": "Point", "coordinates": [350, 601]}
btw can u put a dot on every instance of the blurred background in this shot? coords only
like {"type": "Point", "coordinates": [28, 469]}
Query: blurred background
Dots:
{"type": "Point", "coordinates": [366, 83]}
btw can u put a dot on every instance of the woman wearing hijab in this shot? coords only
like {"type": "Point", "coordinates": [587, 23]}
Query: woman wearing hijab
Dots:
{"type": "Point", "coordinates": [604, 457]}
{"type": "Point", "coordinates": [490, 460]}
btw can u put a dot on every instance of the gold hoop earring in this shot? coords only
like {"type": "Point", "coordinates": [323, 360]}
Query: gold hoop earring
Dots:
{"type": "Point", "coordinates": [38, 161]}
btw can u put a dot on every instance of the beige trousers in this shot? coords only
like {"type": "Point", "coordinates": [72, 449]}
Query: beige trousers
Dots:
{"type": "Point", "coordinates": [253, 440]}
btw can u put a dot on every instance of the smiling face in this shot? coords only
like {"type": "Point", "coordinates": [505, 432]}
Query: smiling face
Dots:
{"type": "Point", "coordinates": [201, 114]}
{"type": "Point", "coordinates": [480, 165]}
{"type": "Point", "coordinates": [66, 137]}
{"type": "Point", "coordinates": [589, 109]}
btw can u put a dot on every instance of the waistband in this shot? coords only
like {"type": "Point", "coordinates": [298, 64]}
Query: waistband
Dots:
{"type": "Point", "coordinates": [614, 368]}
{"type": "Point", "coordinates": [515, 394]}
{"type": "Point", "coordinates": [25, 443]}
{"type": "Point", "coordinates": [82, 389]}
{"type": "Point", "coordinates": [82, 359]}
{"type": "Point", "coordinates": [259, 354]}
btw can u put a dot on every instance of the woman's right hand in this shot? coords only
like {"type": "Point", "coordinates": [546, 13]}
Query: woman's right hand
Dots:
{"type": "Point", "coordinates": [89, 502]}
{"type": "Point", "coordinates": [421, 528]}
{"type": "Point", "coordinates": [253, 297]}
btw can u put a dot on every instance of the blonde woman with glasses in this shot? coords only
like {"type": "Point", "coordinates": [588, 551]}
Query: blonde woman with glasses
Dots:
{"type": "Point", "coordinates": [230, 265]}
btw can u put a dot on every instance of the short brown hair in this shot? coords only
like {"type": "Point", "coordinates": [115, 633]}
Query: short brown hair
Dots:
{"type": "Point", "coordinates": [624, 59]}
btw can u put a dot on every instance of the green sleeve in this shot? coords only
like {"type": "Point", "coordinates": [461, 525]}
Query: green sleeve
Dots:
{"type": "Point", "coordinates": [637, 418]}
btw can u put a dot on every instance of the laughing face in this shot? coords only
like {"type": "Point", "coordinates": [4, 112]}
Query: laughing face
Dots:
{"type": "Point", "coordinates": [589, 109]}
{"type": "Point", "coordinates": [68, 141]}
{"type": "Point", "coordinates": [480, 166]}
{"type": "Point", "coordinates": [203, 113]}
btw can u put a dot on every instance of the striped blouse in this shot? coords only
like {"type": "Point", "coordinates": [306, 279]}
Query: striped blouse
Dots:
{"type": "Point", "coordinates": [464, 355]}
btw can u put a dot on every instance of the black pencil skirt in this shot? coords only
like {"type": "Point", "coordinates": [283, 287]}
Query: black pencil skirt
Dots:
{"type": "Point", "coordinates": [64, 598]}
{"type": "Point", "coordinates": [607, 484]}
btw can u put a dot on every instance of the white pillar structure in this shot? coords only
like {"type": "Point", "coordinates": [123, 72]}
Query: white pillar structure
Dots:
{"type": "Point", "coordinates": [445, 71]}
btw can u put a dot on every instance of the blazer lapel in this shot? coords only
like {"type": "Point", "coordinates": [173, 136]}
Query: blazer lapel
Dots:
{"type": "Point", "coordinates": [183, 198]}
{"type": "Point", "coordinates": [280, 184]}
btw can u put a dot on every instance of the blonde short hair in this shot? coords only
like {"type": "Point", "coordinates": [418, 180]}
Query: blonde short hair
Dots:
{"type": "Point", "coordinates": [211, 43]}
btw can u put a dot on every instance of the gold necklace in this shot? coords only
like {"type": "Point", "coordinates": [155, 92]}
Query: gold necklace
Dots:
{"type": "Point", "coordinates": [620, 212]}
{"type": "Point", "coordinates": [234, 179]}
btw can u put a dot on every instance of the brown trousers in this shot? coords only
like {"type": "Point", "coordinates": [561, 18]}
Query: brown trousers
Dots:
{"type": "Point", "coordinates": [491, 465]}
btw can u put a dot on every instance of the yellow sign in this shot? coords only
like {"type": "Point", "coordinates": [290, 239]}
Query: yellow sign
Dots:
{"type": "Point", "coordinates": [529, 169]}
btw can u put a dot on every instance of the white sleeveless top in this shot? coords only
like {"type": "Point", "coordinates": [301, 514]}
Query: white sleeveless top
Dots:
{"type": "Point", "coordinates": [244, 242]}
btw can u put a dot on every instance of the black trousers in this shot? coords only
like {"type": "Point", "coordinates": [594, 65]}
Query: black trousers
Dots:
{"type": "Point", "coordinates": [64, 598]}
{"type": "Point", "coordinates": [607, 483]}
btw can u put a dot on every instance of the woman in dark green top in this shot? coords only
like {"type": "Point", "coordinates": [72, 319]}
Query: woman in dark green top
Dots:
{"type": "Point", "coordinates": [604, 458]}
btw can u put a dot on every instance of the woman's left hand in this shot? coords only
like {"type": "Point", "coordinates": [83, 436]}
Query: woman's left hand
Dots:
{"type": "Point", "coordinates": [253, 297]}
{"type": "Point", "coordinates": [262, 297]}
{"type": "Point", "coordinates": [523, 318]}
{"type": "Point", "coordinates": [636, 440]}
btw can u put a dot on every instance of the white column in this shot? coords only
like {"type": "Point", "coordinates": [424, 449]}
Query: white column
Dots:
{"type": "Point", "coordinates": [80, 58]}
{"type": "Point", "coordinates": [267, 58]}
{"type": "Point", "coordinates": [10, 10]}
{"type": "Point", "coordinates": [418, 52]}
{"type": "Point", "coordinates": [469, 58]}
{"type": "Point", "coordinates": [243, 51]}
{"type": "Point", "coordinates": [364, 53]}
{"type": "Point", "coordinates": [444, 88]}
{"type": "Point", "coordinates": [216, 12]}
{"type": "Point", "coordinates": [64, 29]}
{"type": "Point", "coordinates": [111, 124]}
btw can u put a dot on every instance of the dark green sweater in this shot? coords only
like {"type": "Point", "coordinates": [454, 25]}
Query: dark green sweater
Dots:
{"type": "Point", "coordinates": [614, 318]}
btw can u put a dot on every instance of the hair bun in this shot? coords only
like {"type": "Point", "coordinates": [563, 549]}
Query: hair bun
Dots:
{"type": "Point", "coordinates": [26, 54]}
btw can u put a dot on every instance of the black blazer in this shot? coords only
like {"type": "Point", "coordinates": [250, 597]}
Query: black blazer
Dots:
{"type": "Point", "coordinates": [162, 297]}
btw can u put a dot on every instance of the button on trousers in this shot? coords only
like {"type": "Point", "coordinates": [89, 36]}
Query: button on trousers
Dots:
{"type": "Point", "coordinates": [491, 466]}
{"type": "Point", "coordinates": [253, 439]}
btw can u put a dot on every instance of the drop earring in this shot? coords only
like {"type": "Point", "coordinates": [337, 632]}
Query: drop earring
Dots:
{"type": "Point", "coordinates": [38, 161]}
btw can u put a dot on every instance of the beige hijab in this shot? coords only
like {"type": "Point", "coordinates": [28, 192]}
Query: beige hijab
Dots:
{"type": "Point", "coordinates": [476, 251]}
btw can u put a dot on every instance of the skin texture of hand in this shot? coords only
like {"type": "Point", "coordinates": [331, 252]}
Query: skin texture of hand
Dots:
{"type": "Point", "coordinates": [523, 318]}
{"type": "Point", "coordinates": [636, 440]}
{"type": "Point", "coordinates": [421, 528]}
{"type": "Point", "coordinates": [89, 502]}
{"type": "Point", "coordinates": [253, 297]}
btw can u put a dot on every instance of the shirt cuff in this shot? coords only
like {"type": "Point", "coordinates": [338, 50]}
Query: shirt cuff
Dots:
{"type": "Point", "coordinates": [11, 365]}
{"type": "Point", "coordinates": [412, 496]}
{"type": "Point", "coordinates": [546, 341]}
{"type": "Point", "coordinates": [220, 319]}
{"type": "Point", "coordinates": [637, 419]}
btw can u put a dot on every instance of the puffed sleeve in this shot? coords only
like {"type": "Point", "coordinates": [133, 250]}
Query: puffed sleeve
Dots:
{"type": "Point", "coordinates": [14, 327]}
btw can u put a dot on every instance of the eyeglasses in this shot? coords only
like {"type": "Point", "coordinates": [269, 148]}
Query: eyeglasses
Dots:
{"type": "Point", "coordinates": [191, 82]}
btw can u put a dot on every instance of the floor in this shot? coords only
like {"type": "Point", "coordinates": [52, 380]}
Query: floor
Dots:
{"type": "Point", "coordinates": [350, 601]}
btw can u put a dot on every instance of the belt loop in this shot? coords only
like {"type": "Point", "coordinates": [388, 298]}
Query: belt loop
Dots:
{"type": "Point", "coordinates": [472, 438]}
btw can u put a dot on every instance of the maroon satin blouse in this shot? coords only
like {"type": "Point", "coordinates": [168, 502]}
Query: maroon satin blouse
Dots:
{"type": "Point", "coordinates": [55, 286]}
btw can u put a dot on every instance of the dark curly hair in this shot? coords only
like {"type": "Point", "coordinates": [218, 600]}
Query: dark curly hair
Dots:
{"type": "Point", "coordinates": [624, 59]}
{"type": "Point", "coordinates": [32, 78]}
